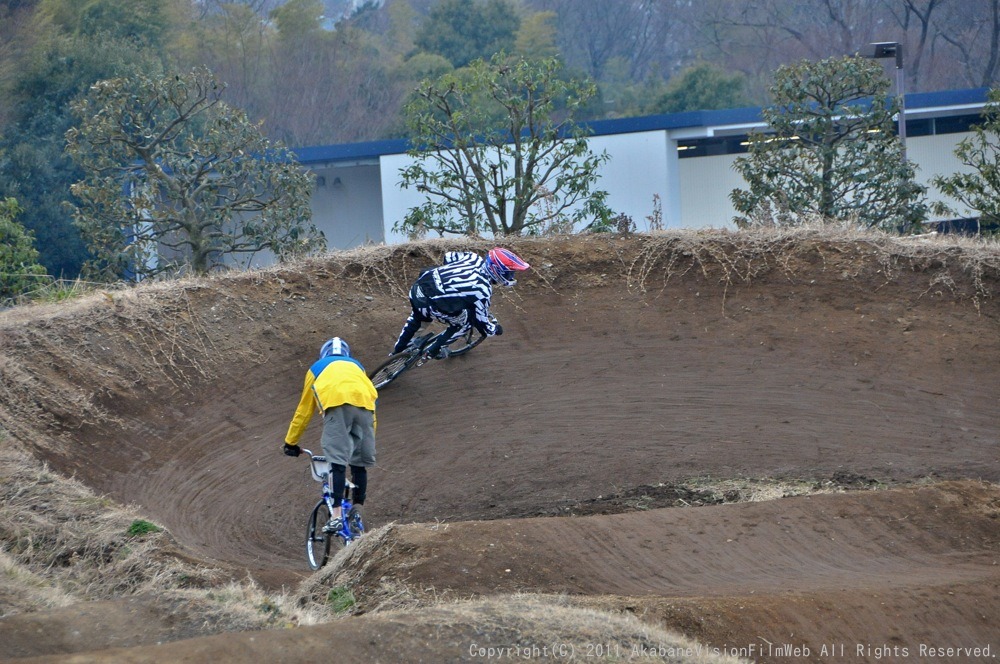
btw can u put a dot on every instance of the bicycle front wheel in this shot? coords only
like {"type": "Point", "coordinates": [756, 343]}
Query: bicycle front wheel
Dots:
{"type": "Point", "coordinates": [465, 343]}
{"type": "Point", "coordinates": [318, 542]}
{"type": "Point", "coordinates": [392, 368]}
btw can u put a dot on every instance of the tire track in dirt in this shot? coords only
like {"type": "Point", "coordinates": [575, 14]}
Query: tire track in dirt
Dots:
{"type": "Point", "coordinates": [584, 397]}
{"type": "Point", "coordinates": [866, 540]}
{"type": "Point", "coordinates": [598, 387]}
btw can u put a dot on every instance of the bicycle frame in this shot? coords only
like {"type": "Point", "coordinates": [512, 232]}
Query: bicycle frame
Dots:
{"type": "Point", "coordinates": [318, 536]}
{"type": "Point", "coordinates": [413, 355]}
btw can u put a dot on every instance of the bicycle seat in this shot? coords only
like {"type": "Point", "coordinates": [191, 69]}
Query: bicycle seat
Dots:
{"type": "Point", "coordinates": [319, 467]}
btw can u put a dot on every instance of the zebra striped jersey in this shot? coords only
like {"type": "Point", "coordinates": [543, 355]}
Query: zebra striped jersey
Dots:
{"type": "Point", "coordinates": [462, 284]}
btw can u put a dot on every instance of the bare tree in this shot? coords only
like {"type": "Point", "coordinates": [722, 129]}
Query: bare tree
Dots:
{"type": "Point", "coordinates": [233, 41]}
{"type": "Point", "coordinates": [593, 32]}
{"type": "Point", "coordinates": [343, 91]}
{"type": "Point", "coordinates": [758, 36]}
{"type": "Point", "coordinates": [971, 29]}
{"type": "Point", "coordinates": [915, 19]}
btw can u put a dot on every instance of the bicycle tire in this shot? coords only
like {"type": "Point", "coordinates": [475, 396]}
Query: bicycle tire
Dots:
{"type": "Point", "coordinates": [393, 368]}
{"type": "Point", "coordinates": [465, 343]}
{"type": "Point", "coordinates": [318, 542]}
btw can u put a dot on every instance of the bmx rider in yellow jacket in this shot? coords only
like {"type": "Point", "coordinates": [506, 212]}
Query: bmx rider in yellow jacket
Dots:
{"type": "Point", "coordinates": [338, 387]}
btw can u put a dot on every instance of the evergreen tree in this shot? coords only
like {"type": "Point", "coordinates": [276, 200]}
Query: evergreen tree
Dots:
{"type": "Point", "coordinates": [175, 179]}
{"type": "Point", "coordinates": [498, 150]}
{"type": "Point", "coordinates": [74, 44]}
{"type": "Point", "coordinates": [19, 268]}
{"type": "Point", "coordinates": [702, 87]}
{"type": "Point", "coordinates": [830, 151]}
{"type": "Point", "coordinates": [978, 189]}
{"type": "Point", "coordinates": [463, 30]}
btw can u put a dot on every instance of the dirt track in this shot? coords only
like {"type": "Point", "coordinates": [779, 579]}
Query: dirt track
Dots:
{"type": "Point", "coordinates": [612, 385]}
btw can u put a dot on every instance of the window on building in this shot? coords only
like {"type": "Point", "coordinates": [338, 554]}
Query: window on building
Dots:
{"type": "Point", "coordinates": [711, 147]}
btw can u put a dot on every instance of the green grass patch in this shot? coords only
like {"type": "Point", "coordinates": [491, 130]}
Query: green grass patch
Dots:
{"type": "Point", "coordinates": [141, 528]}
{"type": "Point", "coordinates": [340, 599]}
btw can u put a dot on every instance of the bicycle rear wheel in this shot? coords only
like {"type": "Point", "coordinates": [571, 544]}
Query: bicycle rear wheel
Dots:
{"type": "Point", "coordinates": [391, 369]}
{"type": "Point", "coordinates": [318, 542]}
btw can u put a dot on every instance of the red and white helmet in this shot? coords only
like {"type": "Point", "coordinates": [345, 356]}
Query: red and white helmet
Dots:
{"type": "Point", "coordinates": [501, 264]}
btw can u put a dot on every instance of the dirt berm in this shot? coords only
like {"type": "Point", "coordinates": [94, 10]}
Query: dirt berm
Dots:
{"type": "Point", "coordinates": [780, 445]}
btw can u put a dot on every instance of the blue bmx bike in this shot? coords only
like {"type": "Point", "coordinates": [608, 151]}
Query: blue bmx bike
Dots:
{"type": "Point", "coordinates": [321, 533]}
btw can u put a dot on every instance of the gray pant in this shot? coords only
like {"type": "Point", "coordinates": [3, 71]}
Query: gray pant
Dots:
{"type": "Point", "coordinates": [349, 436]}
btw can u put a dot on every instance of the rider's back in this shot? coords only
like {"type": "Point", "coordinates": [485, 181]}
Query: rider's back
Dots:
{"type": "Point", "coordinates": [457, 284]}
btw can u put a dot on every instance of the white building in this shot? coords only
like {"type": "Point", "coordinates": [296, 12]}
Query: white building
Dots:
{"type": "Point", "coordinates": [685, 159]}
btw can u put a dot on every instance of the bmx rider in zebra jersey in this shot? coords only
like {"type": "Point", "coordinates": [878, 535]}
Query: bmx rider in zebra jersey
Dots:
{"type": "Point", "coordinates": [457, 293]}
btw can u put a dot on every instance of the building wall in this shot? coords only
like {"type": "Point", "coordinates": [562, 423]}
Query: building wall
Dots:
{"type": "Point", "coordinates": [635, 172]}
{"type": "Point", "coordinates": [347, 205]}
{"type": "Point", "coordinates": [396, 202]}
{"type": "Point", "coordinates": [705, 186]}
{"type": "Point", "coordinates": [706, 182]}
{"type": "Point", "coordinates": [935, 155]}
{"type": "Point", "coordinates": [367, 201]}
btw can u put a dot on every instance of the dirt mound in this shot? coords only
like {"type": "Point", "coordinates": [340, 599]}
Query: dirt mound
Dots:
{"type": "Point", "coordinates": [635, 374]}
{"type": "Point", "coordinates": [521, 628]}
{"type": "Point", "coordinates": [754, 567]}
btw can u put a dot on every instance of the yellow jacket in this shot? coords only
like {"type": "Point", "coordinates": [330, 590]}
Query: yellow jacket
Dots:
{"type": "Point", "coordinates": [331, 381]}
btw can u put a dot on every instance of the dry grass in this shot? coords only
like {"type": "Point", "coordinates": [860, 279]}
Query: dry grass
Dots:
{"type": "Point", "coordinates": [63, 545]}
{"type": "Point", "coordinates": [963, 266]}
{"type": "Point", "coordinates": [358, 565]}
{"type": "Point", "coordinates": [24, 590]}
{"type": "Point", "coordinates": [756, 490]}
{"type": "Point", "coordinates": [57, 528]}
{"type": "Point", "coordinates": [543, 627]}
{"type": "Point", "coordinates": [239, 606]}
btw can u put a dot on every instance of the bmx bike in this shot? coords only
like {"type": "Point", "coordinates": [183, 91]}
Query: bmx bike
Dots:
{"type": "Point", "coordinates": [414, 355]}
{"type": "Point", "coordinates": [320, 536]}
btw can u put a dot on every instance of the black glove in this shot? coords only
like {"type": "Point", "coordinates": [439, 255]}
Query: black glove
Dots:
{"type": "Point", "coordinates": [292, 450]}
{"type": "Point", "coordinates": [498, 330]}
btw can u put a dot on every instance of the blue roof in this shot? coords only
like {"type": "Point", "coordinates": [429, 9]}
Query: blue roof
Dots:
{"type": "Point", "coordinates": [350, 151]}
{"type": "Point", "coordinates": [947, 98]}
{"type": "Point", "coordinates": [320, 154]}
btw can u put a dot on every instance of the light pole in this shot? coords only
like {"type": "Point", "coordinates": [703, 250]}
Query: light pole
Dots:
{"type": "Point", "coordinates": [895, 50]}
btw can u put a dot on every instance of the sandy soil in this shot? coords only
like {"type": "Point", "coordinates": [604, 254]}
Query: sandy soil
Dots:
{"type": "Point", "coordinates": [559, 458]}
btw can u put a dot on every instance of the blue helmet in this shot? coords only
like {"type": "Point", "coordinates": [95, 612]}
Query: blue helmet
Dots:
{"type": "Point", "coordinates": [335, 346]}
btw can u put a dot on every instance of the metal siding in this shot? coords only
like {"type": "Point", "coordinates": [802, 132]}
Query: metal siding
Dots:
{"type": "Point", "coordinates": [706, 183]}
{"type": "Point", "coordinates": [935, 155]}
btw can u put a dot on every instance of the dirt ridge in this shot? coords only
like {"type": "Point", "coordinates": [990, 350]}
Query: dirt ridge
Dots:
{"type": "Point", "coordinates": [629, 366]}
